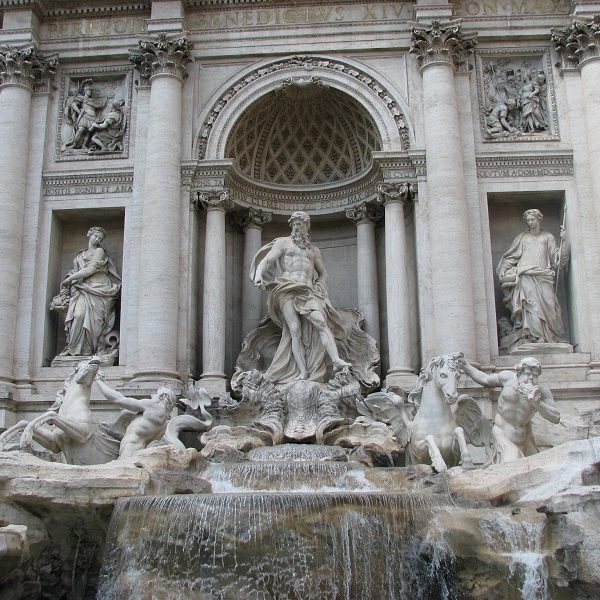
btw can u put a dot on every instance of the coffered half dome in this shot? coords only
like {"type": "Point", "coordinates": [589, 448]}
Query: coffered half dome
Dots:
{"type": "Point", "coordinates": [303, 134]}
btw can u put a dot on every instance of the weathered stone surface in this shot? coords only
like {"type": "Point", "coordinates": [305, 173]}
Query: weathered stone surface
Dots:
{"type": "Point", "coordinates": [533, 480]}
{"type": "Point", "coordinates": [27, 479]}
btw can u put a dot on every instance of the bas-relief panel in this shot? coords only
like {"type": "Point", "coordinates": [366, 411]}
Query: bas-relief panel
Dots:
{"type": "Point", "coordinates": [516, 95]}
{"type": "Point", "coordinates": [94, 114]}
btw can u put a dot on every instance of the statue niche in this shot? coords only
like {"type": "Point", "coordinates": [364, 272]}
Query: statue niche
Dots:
{"type": "Point", "coordinates": [87, 298]}
{"type": "Point", "coordinates": [527, 273]}
{"type": "Point", "coordinates": [303, 367]}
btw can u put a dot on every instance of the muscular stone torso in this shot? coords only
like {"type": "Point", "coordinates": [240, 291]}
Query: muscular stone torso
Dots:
{"type": "Point", "coordinates": [298, 263]}
{"type": "Point", "coordinates": [514, 413]}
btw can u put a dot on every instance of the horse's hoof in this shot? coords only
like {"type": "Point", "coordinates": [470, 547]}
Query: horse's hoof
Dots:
{"type": "Point", "coordinates": [467, 464]}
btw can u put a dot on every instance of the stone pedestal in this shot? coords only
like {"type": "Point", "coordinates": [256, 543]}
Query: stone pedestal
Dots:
{"type": "Point", "coordinates": [163, 63]}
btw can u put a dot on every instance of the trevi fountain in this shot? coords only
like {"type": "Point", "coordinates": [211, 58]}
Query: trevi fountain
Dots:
{"type": "Point", "coordinates": [299, 300]}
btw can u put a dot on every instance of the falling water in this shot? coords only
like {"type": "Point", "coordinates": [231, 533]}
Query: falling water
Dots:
{"type": "Point", "coordinates": [287, 477]}
{"type": "Point", "coordinates": [350, 546]}
{"type": "Point", "coordinates": [521, 541]}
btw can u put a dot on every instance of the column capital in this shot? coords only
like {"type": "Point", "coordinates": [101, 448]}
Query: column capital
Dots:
{"type": "Point", "coordinates": [25, 66]}
{"type": "Point", "coordinates": [364, 213]}
{"type": "Point", "coordinates": [253, 217]}
{"type": "Point", "coordinates": [441, 43]}
{"type": "Point", "coordinates": [395, 192]}
{"type": "Point", "coordinates": [578, 43]}
{"type": "Point", "coordinates": [162, 55]}
{"type": "Point", "coordinates": [212, 200]}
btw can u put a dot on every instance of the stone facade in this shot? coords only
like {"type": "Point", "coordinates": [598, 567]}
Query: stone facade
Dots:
{"type": "Point", "coordinates": [415, 134]}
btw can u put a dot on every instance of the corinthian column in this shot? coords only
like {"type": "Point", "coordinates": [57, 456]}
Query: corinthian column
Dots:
{"type": "Point", "coordinates": [579, 46]}
{"type": "Point", "coordinates": [216, 203]}
{"type": "Point", "coordinates": [20, 68]}
{"type": "Point", "coordinates": [365, 216]}
{"type": "Point", "coordinates": [251, 223]}
{"type": "Point", "coordinates": [393, 197]}
{"type": "Point", "coordinates": [161, 60]}
{"type": "Point", "coordinates": [439, 49]}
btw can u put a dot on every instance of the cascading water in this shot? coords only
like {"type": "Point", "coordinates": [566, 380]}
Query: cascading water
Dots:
{"type": "Point", "coordinates": [327, 546]}
{"type": "Point", "coordinates": [521, 541]}
{"type": "Point", "coordinates": [308, 543]}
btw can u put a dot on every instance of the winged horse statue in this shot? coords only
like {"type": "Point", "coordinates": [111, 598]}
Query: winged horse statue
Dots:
{"type": "Point", "coordinates": [435, 424]}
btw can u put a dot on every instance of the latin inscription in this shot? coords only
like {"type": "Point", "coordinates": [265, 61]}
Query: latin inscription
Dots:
{"type": "Point", "coordinates": [88, 190]}
{"type": "Point", "coordinates": [531, 172]}
{"type": "Point", "coordinates": [238, 19]}
{"type": "Point", "coordinates": [511, 8]}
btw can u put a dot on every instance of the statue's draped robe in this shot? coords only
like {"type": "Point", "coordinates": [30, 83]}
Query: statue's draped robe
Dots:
{"type": "Point", "coordinates": [268, 348]}
{"type": "Point", "coordinates": [91, 313]}
{"type": "Point", "coordinates": [527, 272]}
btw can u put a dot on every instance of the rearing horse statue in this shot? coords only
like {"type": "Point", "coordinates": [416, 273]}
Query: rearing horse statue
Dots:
{"type": "Point", "coordinates": [432, 432]}
{"type": "Point", "coordinates": [76, 433]}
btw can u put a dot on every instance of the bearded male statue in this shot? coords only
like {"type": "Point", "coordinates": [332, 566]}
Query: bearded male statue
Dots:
{"type": "Point", "coordinates": [303, 337]}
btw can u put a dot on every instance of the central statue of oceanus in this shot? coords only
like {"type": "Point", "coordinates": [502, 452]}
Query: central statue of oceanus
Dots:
{"type": "Point", "coordinates": [303, 337]}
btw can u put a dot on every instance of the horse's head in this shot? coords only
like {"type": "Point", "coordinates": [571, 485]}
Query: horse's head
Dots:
{"type": "Point", "coordinates": [444, 373]}
{"type": "Point", "coordinates": [446, 376]}
{"type": "Point", "coordinates": [86, 371]}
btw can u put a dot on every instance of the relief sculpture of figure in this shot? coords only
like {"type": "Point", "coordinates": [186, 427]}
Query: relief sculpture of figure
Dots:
{"type": "Point", "coordinates": [527, 272]}
{"type": "Point", "coordinates": [87, 114]}
{"type": "Point", "coordinates": [303, 337]}
{"type": "Point", "coordinates": [521, 397]}
{"type": "Point", "coordinates": [107, 135]}
{"type": "Point", "coordinates": [88, 294]}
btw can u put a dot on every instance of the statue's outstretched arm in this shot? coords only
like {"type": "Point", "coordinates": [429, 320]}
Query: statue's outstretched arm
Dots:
{"type": "Point", "coordinates": [118, 398]}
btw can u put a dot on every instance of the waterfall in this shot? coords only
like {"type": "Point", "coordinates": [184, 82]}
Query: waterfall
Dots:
{"type": "Point", "coordinates": [350, 546]}
{"type": "Point", "coordinates": [521, 542]}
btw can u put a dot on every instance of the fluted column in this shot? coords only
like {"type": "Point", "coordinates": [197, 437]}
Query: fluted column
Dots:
{"type": "Point", "coordinates": [439, 49]}
{"type": "Point", "coordinates": [579, 46]}
{"type": "Point", "coordinates": [20, 69]}
{"type": "Point", "coordinates": [365, 216]}
{"type": "Point", "coordinates": [393, 197]}
{"type": "Point", "coordinates": [162, 60]}
{"type": "Point", "coordinates": [251, 222]}
{"type": "Point", "coordinates": [216, 203]}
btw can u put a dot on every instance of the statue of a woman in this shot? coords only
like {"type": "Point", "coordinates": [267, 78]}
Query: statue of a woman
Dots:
{"type": "Point", "coordinates": [89, 293]}
{"type": "Point", "coordinates": [527, 272]}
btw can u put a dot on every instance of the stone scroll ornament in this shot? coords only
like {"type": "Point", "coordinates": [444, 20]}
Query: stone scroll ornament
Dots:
{"type": "Point", "coordinates": [88, 297]}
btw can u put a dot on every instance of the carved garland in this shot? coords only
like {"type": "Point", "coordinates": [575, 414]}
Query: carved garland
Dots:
{"type": "Point", "coordinates": [307, 62]}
